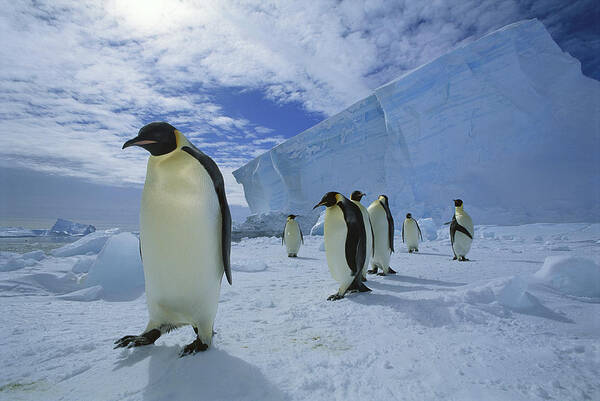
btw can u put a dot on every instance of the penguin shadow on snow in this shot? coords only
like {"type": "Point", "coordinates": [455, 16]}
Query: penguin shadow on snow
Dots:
{"type": "Point", "coordinates": [427, 312]}
{"type": "Point", "coordinates": [423, 281]}
{"type": "Point", "coordinates": [210, 375]}
{"type": "Point", "coordinates": [304, 258]}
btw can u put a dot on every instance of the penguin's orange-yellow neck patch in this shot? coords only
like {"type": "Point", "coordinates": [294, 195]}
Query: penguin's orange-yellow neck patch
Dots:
{"type": "Point", "coordinates": [338, 197]}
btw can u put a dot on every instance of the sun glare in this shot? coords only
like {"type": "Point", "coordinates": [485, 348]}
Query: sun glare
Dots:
{"type": "Point", "coordinates": [150, 16]}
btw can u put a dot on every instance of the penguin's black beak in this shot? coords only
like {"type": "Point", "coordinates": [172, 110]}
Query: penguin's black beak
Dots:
{"type": "Point", "coordinates": [319, 204]}
{"type": "Point", "coordinates": [137, 141]}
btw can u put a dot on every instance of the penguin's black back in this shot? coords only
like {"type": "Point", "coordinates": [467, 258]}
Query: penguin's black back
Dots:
{"type": "Point", "coordinates": [356, 237]}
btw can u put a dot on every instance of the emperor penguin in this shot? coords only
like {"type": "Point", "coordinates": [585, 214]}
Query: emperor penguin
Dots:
{"type": "Point", "coordinates": [185, 237]}
{"type": "Point", "coordinates": [411, 233]}
{"type": "Point", "coordinates": [292, 236]}
{"type": "Point", "coordinates": [355, 197]}
{"type": "Point", "coordinates": [383, 228]}
{"type": "Point", "coordinates": [461, 231]}
{"type": "Point", "coordinates": [345, 243]}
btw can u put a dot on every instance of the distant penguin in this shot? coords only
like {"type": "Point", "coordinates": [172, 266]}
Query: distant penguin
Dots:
{"type": "Point", "coordinates": [292, 236]}
{"type": "Point", "coordinates": [355, 197]}
{"type": "Point", "coordinates": [411, 233]}
{"type": "Point", "coordinates": [185, 237]}
{"type": "Point", "coordinates": [345, 243]}
{"type": "Point", "coordinates": [383, 228]}
{"type": "Point", "coordinates": [461, 231]}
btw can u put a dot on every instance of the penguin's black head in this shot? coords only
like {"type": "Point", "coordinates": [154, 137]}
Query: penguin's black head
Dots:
{"type": "Point", "coordinates": [356, 195]}
{"type": "Point", "coordinates": [408, 216]}
{"type": "Point", "coordinates": [328, 200]}
{"type": "Point", "coordinates": [458, 202]}
{"type": "Point", "coordinates": [291, 216]}
{"type": "Point", "coordinates": [157, 138]}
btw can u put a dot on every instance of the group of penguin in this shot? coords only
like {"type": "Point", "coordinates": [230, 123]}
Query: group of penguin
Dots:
{"type": "Point", "coordinates": [356, 236]}
{"type": "Point", "coordinates": [185, 237]}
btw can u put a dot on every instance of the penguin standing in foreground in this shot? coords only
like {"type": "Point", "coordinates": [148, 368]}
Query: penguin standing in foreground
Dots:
{"type": "Point", "coordinates": [411, 233]}
{"type": "Point", "coordinates": [383, 228]}
{"type": "Point", "coordinates": [355, 197]}
{"type": "Point", "coordinates": [461, 232]}
{"type": "Point", "coordinates": [345, 243]}
{"type": "Point", "coordinates": [292, 236]}
{"type": "Point", "coordinates": [185, 237]}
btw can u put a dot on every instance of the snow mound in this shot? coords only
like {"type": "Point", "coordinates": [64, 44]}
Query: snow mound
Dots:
{"type": "Point", "coordinates": [428, 229]}
{"type": "Point", "coordinates": [90, 243]}
{"type": "Point", "coordinates": [84, 295]}
{"type": "Point", "coordinates": [571, 275]}
{"type": "Point", "coordinates": [319, 227]}
{"type": "Point", "coordinates": [251, 267]}
{"type": "Point", "coordinates": [118, 269]}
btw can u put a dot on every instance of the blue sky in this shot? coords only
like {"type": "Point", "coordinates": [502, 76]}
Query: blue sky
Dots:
{"type": "Point", "coordinates": [237, 77]}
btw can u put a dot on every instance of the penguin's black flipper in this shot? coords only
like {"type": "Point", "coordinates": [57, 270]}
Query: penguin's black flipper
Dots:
{"type": "Point", "coordinates": [283, 234]}
{"type": "Point", "coordinates": [217, 178]}
{"type": "Point", "coordinates": [402, 232]}
{"type": "Point", "coordinates": [454, 227]}
{"type": "Point", "coordinates": [356, 248]}
{"type": "Point", "coordinates": [418, 228]}
{"type": "Point", "coordinates": [301, 236]}
{"type": "Point", "coordinates": [372, 238]}
{"type": "Point", "coordinates": [390, 220]}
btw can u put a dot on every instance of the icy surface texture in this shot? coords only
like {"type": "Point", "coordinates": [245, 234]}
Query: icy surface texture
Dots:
{"type": "Point", "coordinates": [571, 275]}
{"type": "Point", "coordinates": [66, 227]}
{"type": "Point", "coordinates": [507, 123]}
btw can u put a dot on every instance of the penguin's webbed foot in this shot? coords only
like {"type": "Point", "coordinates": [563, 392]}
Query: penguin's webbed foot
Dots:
{"type": "Point", "coordinates": [454, 258]}
{"type": "Point", "coordinates": [382, 274]}
{"type": "Point", "coordinates": [372, 271]}
{"type": "Point", "coordinates": [463, 259]}
{"type": "Point", "coordinates": [335, 297]}
{"type": "Point", "coordinates": [410, 251]}
{"type": "Point", "coordinates": [196, 346]}
{"type": "Point", "coordinates": [146, 338]}
{"type": "Point", "coordinates": [391, 271]}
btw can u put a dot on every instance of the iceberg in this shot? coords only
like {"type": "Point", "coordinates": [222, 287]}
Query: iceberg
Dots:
{"type": "Point", "coordinates": [507, 123]}
{"type": "Point", "coordinates": [67, 227]}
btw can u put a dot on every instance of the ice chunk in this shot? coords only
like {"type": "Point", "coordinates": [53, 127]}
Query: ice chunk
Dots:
{"type": "Point", "coordinates": [272, 224]}
{"type": "Point", "coordinates": [428, 229]}
{"type": "Point", "coordinates": [84, 263]}
{"type": "Point", "coordinates": [118, 269]}
{"type": "Point", "coordinates": [35, 255]}
{"type": "Point", "coordinates": [571, 275]}
{"type": "Point", "coordinates": [90, 243]}
{"type": "Point", "coordinates": [67, 227]}
{"type": "Point", "coordinates": [510, 110]}
{"type": "Point", "coordinates": [319, 227]}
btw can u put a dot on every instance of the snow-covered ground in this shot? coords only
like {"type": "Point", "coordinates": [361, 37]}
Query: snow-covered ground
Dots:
{"type": "Point", "coordinates": [521, 321]}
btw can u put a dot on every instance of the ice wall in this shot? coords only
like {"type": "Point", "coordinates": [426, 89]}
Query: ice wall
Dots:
{"type": "Point", "coordinates": [507, 123]}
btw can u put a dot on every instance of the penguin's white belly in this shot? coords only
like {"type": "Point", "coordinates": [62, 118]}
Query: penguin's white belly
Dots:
{"type": "Point", "coordinates": [335, 231]}
{"type": "Point", "coordinates": [292, 237]}
{"type": "Point", "coordinates": [411, 234]}
{"type": "Point", "coordinates": [462, 243]}
{"type": "Point", "coordinates": [180, 232]}
{"type": "Point", "coordinates": [381, 257]}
